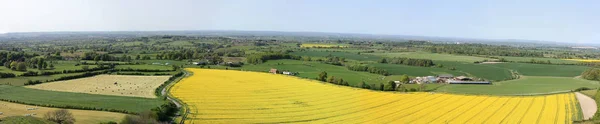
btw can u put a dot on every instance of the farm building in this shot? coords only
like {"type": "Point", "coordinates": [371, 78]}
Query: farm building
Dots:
{"type": "Point", "coordinates": [274, 71]}
{"type": "Point", "coordinates": [445, 76]}
{"type": "Point", "coordinates": [466, 80]}
{"type": "Point", "coordinates": [421, 80]}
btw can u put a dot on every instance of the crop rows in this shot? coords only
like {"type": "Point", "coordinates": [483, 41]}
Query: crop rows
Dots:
{"type": "Point", "coordinates": [222, 96]}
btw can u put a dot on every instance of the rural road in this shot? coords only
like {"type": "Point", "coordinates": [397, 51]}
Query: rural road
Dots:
{"type": "Point", "coordinates": [164, 90]}
{"type": "Point", "coordinates": [588, 105]}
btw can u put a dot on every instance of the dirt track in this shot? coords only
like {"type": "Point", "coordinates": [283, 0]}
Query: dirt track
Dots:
{"type": "Point", "coordinates": [588, 105]}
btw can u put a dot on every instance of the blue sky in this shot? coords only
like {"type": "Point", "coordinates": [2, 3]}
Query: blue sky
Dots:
{"type": "Point", "coordinates": [551, 20]}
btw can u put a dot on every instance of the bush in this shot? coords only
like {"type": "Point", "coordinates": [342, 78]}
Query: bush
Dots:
{"type": "Point", "coordinates": [30, 82]}
{"type": "Point", "coordinates": [61, 116]}
{"type": "Point", "coordinates": [143, 118]}
{"type": "Point", "coordinates": [582, 89]}
{"type": "Point", "coordinates": [30, 73]}
{"type": "Point", "coordinates": [110, 122]}
{"type": "Point", "coordinates": [7, 75]}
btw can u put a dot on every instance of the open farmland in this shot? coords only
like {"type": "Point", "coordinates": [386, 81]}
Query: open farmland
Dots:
{"type": "Point", "coordinates": [397, 69]}
{"type": "Point", "coordinates": [251, 97]}
{"type": "Point", "coordinates": [526, 85]}
{"type": "Point", "coordinates": [311, 70]}
{"type": "Point", "coordinates": [79, 100]}
{"type": "Point", "coordinates": [81, 116]}
{"type": "Point", "coordinates": [347, 55]}
{"type": "Point", "coordinates": [149, 67]}
{"type": "Point", "coordinates": [528, 59]}
{"type": "Point", "coordinates": [485, 71]}
{"type": "Point", "coordinates": [542, 69]}
{"type": "Point", "coordinates": [135, 86]}
{"type": "Point", "coordinates": [432, 56]}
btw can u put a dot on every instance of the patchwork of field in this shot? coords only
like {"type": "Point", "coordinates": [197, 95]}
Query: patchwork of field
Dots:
{"type": "Point", "coordinates": [252, 97]}
{"type": "Point", "coordinates": [397, 69]}
{"type": "Point", "coordinates": [347, 55]}
{"type": "Point", "coordinates": [528, 59]}
{"type": "Point", "coordinates": [119, 85]}
{"type": "Point", "coordinates": [79, 100]}
{"type": "Point", "coordinates": [432, 56]}
{"type": "Point", "coordinates": [486, 71]}
{"type": "Point", "coordinates": [542, 69]}
{"type": "Point", "coordinates": [311, 70]}
{"type": "Point", "coordinates": [81, 116]}
{"type": "Point", "coordinates": [526, 85]}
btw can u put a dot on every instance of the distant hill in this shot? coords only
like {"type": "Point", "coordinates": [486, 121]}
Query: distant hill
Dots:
{"type": "Point", "coordinates": [302, 36]}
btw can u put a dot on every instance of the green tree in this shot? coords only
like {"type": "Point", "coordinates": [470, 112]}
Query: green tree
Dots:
{"type": "Point", "coordinates": [13, 65]}
{"type": "Point", "coordinates": [21, 66]}
{"type": "Point", "coordinates": [61, 116]}
{"type": "Point", "coordinates": [322, 76]}
{"type": "Point", "coordinates": [591, 74]}
{"type": "Point", "coordinates": [404, 78]}
{"type": "Point", "coordinates": [85, 67]}
{"type": "Point", "coordinates": [331, 80]}
{"type": "Point", "coordinates": [390, 86]}
{"type": "Point", "coordinates": [340, 81]}
{"type": "Point", "coordinates": [137, 57]}
{"type": "Point", "coordinates": [383, 60]}
{"type": "Point", "coordinates": [362, 84]}
{"type": "Point", "coordinates": [45, 65]}
{"type": "Point", "coordinates": [40, 64]}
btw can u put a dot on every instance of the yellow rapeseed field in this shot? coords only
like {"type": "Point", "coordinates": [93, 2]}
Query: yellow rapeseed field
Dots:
{"type": "Point", "coordinates": [584, 60]}
{"type": "Point", "coordinates": [320, 45]}
{"type": "Point", "coordinates": [225, 96]}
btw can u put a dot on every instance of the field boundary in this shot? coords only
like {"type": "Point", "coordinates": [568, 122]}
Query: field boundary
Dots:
{"type": "Point", "coordinates": [588, 108]}
{"type": "Point", "coordinates": [166, 91]}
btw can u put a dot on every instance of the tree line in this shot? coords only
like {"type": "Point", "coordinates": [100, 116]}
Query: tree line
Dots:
{"type": "Point", "coordinates": [482, 49]}
{"type": "Point", "coordinates": [331, 79]}
{"type": "Point", "coordinates": [408, 61]}
{"type": "Point", "coordinates": [260, 58]}
{"type": "Point", "coordinates": [369, 69]}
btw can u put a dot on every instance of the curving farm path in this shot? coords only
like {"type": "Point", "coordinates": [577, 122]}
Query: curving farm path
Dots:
{"type": "Point", "coordinates": [588, 105]}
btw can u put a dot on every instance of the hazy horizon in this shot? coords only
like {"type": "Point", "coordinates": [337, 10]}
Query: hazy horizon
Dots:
{"type": "Point", "coordinates": [562, 21]}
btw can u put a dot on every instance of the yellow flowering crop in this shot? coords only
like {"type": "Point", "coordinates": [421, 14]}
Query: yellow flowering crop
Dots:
{"type": "Point", "coordinates": [224, 96]}
{"type": "Point", "coordinates": [584, 60]}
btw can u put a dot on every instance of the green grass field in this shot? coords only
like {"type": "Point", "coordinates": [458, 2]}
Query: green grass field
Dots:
{"type": "Point", "coordinates": [347, 55]}
{"type": "Point", "coordinates": [312, 69]}
{"type": "Point", "coordinates": [590, 93]}
{"type": "Point", "coordinates": [395, 69]}
{"type": "Point", "coordinates": [479, 70]}
{"type": "Point", "coordinates": [542, 69]}
{"type": "Point", "coordinates": [20, 81]}
{"type": "Point", "coordinates": [146, 66]}
{"type": "Point", "coordinates": [527, 85]}
{"type": "Point", "coordinates": [528, 59]}
{"type": "Point", "coordinates": [432, 56]}
{"type": "Point", "coordinates": [44, 97]}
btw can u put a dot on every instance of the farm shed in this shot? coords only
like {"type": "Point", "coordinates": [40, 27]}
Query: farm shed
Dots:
{"type": "Point", "coordinates": [274, 71]}
{"type": "Point", "coordinates": [445, 76]}
{"type": "Point", "coordinates": [468, 82]}
{"type": "Point", "coordinates": [287, 73]}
